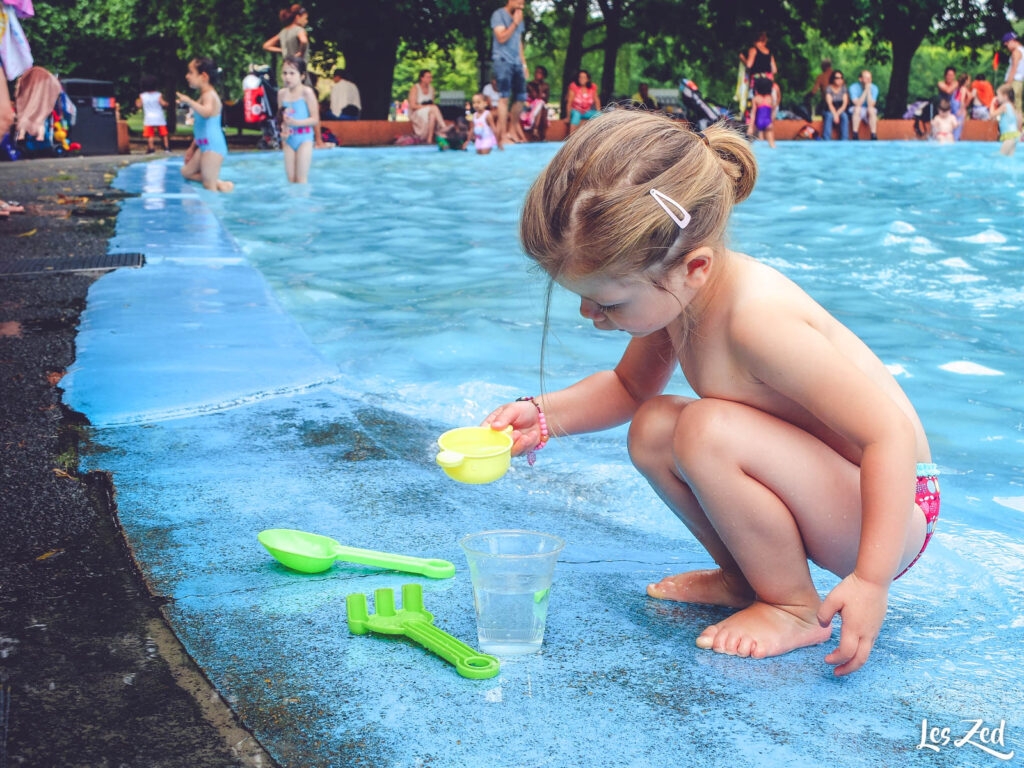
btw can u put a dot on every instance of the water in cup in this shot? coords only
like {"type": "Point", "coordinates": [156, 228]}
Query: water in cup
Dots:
{"type": "Point", "coordinates": [511, 573]}
{"type": "Point", "coordinates": [510, 614]}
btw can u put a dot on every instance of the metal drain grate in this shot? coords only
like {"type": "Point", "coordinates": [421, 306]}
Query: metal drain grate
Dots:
{"type": "Point", "coordinates": [47, 265]}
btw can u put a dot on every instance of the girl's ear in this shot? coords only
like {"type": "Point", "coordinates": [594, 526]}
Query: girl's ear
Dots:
{"type": "Point", "coordinates": [697, 266]}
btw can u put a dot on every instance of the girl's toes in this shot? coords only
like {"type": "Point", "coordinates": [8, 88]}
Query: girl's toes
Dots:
{"type": "Point", "coordinates": [726, 642]}
{"type": "Point", "coordinates": [744, 647]}
{"type": "Point", "coordinates": [707, 637]}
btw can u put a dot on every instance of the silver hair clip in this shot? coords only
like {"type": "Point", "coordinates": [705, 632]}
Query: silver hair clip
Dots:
{"type": "Point", "coordinates": [662, 199]}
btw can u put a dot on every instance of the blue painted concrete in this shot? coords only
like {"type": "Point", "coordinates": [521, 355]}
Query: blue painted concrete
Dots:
{"type": "Point", "coordinates": [197, 329]}
{"type": "Point", "coordinates": [619, 681]}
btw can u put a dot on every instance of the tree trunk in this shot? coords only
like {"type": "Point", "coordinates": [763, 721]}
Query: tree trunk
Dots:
{"type": "Point", "coordinates": [483, 57]}
{"type": "Point", "coordinates": [612, 43]}
{"type": "Point", "coordinates": [574, 50]}
{"type": "Point", "coordinates": [903, 49]}
{"type": "Point", "coordinates": [370, 63]}
{"type": "Point", "coordinates": [905, 27]}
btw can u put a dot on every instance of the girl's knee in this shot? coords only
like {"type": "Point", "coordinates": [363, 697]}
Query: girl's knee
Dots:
{"type": "Point", "coordinates": [704, 430]}
{"type": "Point", "coordinates": [650, 432]}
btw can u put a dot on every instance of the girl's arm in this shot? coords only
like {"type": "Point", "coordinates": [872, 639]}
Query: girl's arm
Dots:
{"type": "Point", "coordinates": [597, 99]}
{"type": "Point", "coordinates": [207, 106]}
{"type": "Point", "coordinates": [273, 44]}
{"type": "Point", "coordinates": [138, 102]}
{"type": "Point", "coordinates": [748, 60]}
{"type": "Point", "coordinates": [775, 69]}
{"type": "Point", "coordinates": [846, 102]}
{"type": "Point", "coordinates": [303, 42]}
{"type": "Point", "coordinates": [163, 102]}
{"type": "Point", "coordinates": [490, 121]}
{"type": "Point", "coordinates": [601, 401]}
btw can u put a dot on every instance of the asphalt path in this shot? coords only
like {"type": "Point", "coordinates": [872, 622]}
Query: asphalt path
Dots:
{"type": "Point", "coordinates": [90, 672]}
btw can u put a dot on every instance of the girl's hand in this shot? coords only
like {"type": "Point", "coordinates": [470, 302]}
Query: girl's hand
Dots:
{"type": "Point", "coordinates": [862, 605]}
{"type": "Point", "coordinates": [181, 97]}
{"type": "Point", "coordinates": [289, 116]}
{"type": "Point", "coordinates": [525, 421]}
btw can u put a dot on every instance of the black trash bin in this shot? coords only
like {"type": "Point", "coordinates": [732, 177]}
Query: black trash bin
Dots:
{"type": "Point", "coordinates": [95, 126]}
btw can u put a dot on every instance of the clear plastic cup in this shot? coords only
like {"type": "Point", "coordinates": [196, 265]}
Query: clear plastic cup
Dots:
{"type": "Point", "coordinates": [511, 573]}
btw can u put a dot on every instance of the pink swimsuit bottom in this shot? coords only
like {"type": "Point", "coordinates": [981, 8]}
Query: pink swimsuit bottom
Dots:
{"type": "Point", "coordinates": [927, 498]}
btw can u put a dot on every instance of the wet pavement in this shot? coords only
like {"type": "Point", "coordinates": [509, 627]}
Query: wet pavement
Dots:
{"type": "Point", "coordinates": [90, 673]}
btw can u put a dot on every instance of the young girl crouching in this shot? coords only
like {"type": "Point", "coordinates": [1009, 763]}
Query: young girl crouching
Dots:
{"type": "Point", "coordinates": [800, 444]}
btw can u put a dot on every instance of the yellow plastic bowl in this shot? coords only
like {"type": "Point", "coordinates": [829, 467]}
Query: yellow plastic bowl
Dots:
{"type": "Point", "coordinates": [475, 454]}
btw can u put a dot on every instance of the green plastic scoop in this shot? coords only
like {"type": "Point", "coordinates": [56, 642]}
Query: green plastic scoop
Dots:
{"type": "Point", "coordinates": [312, 553]}
{"type": "Point", "coordinates": [416, 623]}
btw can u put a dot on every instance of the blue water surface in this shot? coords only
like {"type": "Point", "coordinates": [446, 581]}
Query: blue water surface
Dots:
{"type": "Point", "coordinates": [292, 366]}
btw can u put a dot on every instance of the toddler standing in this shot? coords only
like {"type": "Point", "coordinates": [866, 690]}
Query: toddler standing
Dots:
{"type": "Point", "coordinates": [154, 119]}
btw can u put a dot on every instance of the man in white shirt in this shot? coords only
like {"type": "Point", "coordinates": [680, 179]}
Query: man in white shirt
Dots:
{"type": "Point", "coordinates": [345, 103]}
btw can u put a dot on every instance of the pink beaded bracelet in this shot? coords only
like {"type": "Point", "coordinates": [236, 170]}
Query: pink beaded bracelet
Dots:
{"type": "Point", "coordinates": [531, 455]}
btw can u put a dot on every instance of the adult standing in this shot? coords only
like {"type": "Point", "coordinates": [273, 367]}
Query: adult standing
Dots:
{"type": "Point", "coordinates": [424, 114]}
{"type": "Point", "coordinates": [864, 97]}
{"type": "Point", "coordinates": [510, 69]}
{"type": "Point", "coordinates": [837, 99]}
{"type": "Point", "coordinates": [292, 40]}
{"type": "Point", "coordinates": [760, 63]}
{"type": "Point", "coordinates": [1015, 70]}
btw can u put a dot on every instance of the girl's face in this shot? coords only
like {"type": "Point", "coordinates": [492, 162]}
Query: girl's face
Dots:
{"type": "Point", "coordinates": [427, 77]}
{"type": "Point", "coordinates": [479, 105]}
{"type": "Point", "coordinates": [302, 19]}
{"type": "Point", "coordinates": [290, 75]}
{"type": "Point", "coordinates": [633, 306]}
{"type": "Point", "coordinates": [950, 75]}
{"type": "Point", "coordinates": [583, 79]}
{"type": "Point", "coordinates": [194, 78]}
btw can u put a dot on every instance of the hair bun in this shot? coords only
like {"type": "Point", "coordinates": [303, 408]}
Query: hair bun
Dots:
{"type": "Point", "coordinates": [737, 157]}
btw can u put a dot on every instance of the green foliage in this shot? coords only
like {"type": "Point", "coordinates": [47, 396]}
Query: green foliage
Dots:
{"type": "Point", "coordinates": [120, 40]}
{"type": "Point", "coordinates": [453, 70]}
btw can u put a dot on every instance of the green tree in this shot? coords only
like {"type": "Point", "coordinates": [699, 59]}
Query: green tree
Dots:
{"type": "Point", "coordinates": [895, 31]}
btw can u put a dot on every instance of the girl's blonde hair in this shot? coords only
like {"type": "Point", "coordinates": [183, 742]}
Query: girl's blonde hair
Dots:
{"type": "Point", "coordinates": [591, 211]}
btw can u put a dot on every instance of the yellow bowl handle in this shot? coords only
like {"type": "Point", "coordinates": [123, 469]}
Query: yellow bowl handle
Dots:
{"type": "Point", "coordinates": [450, 459]}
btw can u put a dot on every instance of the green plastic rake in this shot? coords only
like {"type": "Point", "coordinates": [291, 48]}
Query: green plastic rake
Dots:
{"type": "Point", "coordinates": [416, 623]}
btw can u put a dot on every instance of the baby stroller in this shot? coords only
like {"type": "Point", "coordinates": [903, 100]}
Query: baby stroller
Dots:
{"type": "Point", "coordinates": [260, 103]}
{"type": "Point", "coordinates": [698, 112]}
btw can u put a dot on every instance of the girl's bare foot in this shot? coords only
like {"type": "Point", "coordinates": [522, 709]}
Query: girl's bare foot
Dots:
{"type": "Point", "coordinates": [225, 186]}
{"type": "Point", "coordinates": [763, 629]}
{"type": "Point", "coordinates": [710, 587]}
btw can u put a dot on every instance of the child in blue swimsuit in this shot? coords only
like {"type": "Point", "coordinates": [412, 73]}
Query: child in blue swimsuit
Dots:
{"type": "Point", "coordinates": [204, 158]}
{"type": "Point", "coordinates": [1009, 124]}
{"type": "Point", "coordinates": [300, 117]}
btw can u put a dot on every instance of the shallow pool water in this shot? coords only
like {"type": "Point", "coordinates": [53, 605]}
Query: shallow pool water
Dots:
{"type": "Point", "coordinates": [409, 309]}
